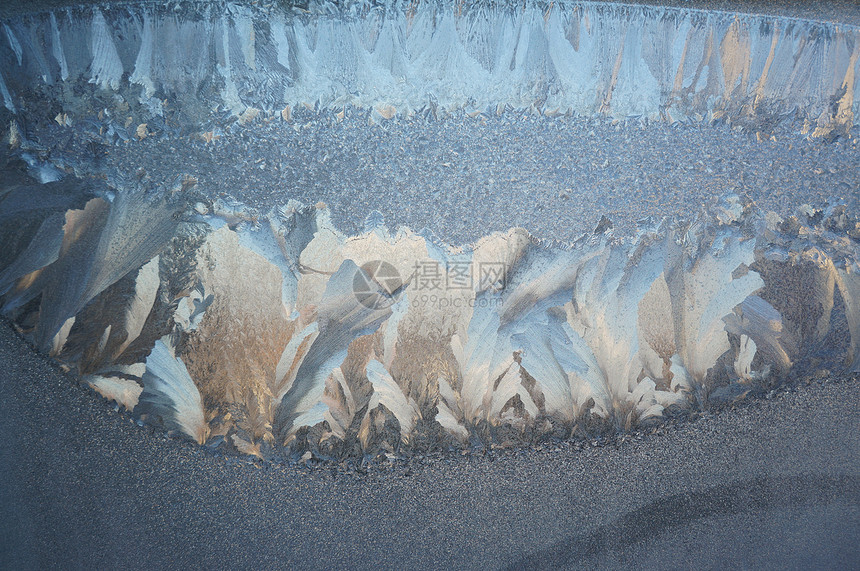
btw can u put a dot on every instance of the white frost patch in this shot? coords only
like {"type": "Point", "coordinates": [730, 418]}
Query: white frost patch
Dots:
{"type": "Point", "coordinates": [59, 340]}
{"type": "Point", "coordinates": [746, 354]}
{"type": "Point", "coordinates": [386, 392]}
{"type": "Point", "coordinates": [143, 64]}
{"type": "Point", "coordinates": [288, 365]}
{"type": "Point", "coordinates": [13, 42]}
{"type": "Point", "coordinates": [7, 97]}
{"type": "Point", "coordinates": [57, 48]}
{"type": "Point", "coordinates": [123, 391]}
{"type": "Point", "coordinates": [106, 67]}
{"type": "Point", "coordinates": [710, 294]}
{"type": "Point", "coordinates": [145, 290]}
{"type": "Point", "coordinates": [230, 93]}
{"type": "Point", "coordinates": [170, 391]}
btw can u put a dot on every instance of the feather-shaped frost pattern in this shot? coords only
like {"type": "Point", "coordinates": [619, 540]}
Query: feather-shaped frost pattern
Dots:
{"type": "Point", "coordinates": [146, 288]}
{"type": "Point", "coordinates": [80, 230]}
{"type": "Point", "coordinates": [711, 293]}
{"type": "Point", "coordinates": [106, 69]}
{"type": "Point", "coordinates": [538, 330]}
{"type": "Point", "coordinates": [339, 402]}
{"type": "Point", "coordinates": [550, 357]}
{"type": "Point", "coordinates": [604, 312]}
{"type": "Point", "coordinates": [170, 394]}
{"type": "Point", "coordinates": [387, 393]}
{"type": "Point", "coordinates": [482, 359]}
{"type": "Point", "coordinates": [101, 243]}
{"type": "Point", "coordinates": [287, 368]}
{"type": "Point", "coordinates": [341, 318]}
{"type": "Point", "coordinates": [42, 250]}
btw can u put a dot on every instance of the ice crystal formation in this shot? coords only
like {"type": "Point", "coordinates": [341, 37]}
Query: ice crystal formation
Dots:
{"type": "Point", "coordinates": [278, 334]}
{"type": "Point", "coordinates": [255, 333]}
{"type": "Point", "coordinates": [401, 58]}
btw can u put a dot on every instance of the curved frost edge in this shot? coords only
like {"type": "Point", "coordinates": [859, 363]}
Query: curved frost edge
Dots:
{"type": "Point", "coordinates": [140, 62]}
{"type": "Point", "coordinates": [277, 334]}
